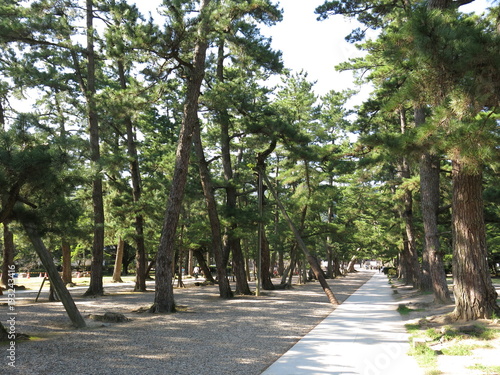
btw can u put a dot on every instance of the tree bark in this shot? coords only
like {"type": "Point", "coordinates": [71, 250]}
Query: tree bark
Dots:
{"type": "Point", "coordinates": [208, 191]}
{"type": "Point", "coordinates": [66, 260]}
{"type": "Point", "coordinates": [318, 272]}
{"type": "Point", "coordinates": [413, 268]}
{"type": "Point", "coordinates": [475, 295]}
{"type": "Point", "coordinates": [4, 335]}
{"type": "Point", "coordinates": [232, 243]}
{"type": "Point", "coordinates": [429, 195]}
{"type": "Point", "coordinates": [55, 279]}
{"type": "Point", "coordinates": [352, 262]}
{"type": "Point", "coordinates": [96, 286]}
{"type": "Point", "coordinates": [198, 254]}
{"type": "Point", "coordinates": [135, 177]}
{"type": "Point", "coordinates": [117, 270]}
{"type": "Point", "coordinates": [265, 263]}
{"type": "Point", "coordinates": [164, 294]}
{"type": "Point", "coordinates": [8, 253]}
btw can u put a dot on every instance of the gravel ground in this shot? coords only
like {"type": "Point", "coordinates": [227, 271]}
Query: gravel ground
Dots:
{"type": "Point", "coordinates": [209, 335]}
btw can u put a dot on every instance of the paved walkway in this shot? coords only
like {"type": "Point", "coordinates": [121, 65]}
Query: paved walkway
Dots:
{"type": "Point", "coordinates": [365, 335]}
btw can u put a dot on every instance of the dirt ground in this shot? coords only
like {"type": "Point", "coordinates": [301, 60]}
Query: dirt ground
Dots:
{"type": "Point", "coordinates": [208, 335]}
{"type": "Point", "coordinates": [484, 354]}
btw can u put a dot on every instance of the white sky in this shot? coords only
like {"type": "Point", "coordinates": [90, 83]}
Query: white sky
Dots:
{"type": "Point", "coordinates": [314, 46]}
{"type": "Point", "coordinates": [311, 45]}
{"type": "Point", "coordinates": [318, 46]}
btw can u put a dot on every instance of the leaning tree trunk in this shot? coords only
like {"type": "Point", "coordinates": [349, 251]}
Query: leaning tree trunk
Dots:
{"type": "Point", "coordinates": [352, 263]}
{"type": "Point", "coordinates": [198, 254]}
{"type": "Point", "coordinates": [66, 262]}
{"type": "Point", "coordinates": [318, 272]}
{"type": "Point", "coordinates": [164, 293]}
{"type": "Point", "coordinates": [55, 279]}
{"type": "Point", "coordinates": [475, 295]}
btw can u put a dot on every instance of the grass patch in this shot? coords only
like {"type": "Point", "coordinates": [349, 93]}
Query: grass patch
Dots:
{"type": "Point", "coordinates": [492, 370]}
{"type": "Point", "coordinates": [412, 328]}
{"type": "Point", "coordinates": [405, 310]}
{"type": "Point", "coordinates": [425, 356]}
{"type": "Point", "coordinates": [459, 349]}
{"type": "Point", "coordinates": [489, 334]}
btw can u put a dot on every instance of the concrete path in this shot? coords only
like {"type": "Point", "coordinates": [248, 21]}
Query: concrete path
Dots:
{"type": "Point", "coordinates": [365, 335]}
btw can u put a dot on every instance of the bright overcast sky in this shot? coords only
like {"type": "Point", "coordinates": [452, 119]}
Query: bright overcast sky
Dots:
{"type": "Point", "coordinates": [317, 46]}
{"type": "Point", "coordinates": [314, 46]}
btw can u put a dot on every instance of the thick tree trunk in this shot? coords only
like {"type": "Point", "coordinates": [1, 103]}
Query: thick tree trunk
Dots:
{"type": "Point", "coordinates": [55, 279]}
{"type": "Point", "coordinates": [352, 262]}
{"type": "Point", "coordinates": [8, 253]}
{"type": "Point", "coordinates": [164, 294]}
{"type": "Point", "coordinates": [66, 262]}
{"type": "Point", "coordinates": [429, 192]}
{"type": "Point", "coordinates": [96, 286]}
{"type": "Point", "coordinates": [239, 268]}
{"type": "Point", "coordinates": [429, 195]}
{"type": "Point", "coordinates": [208, 191]}
{"type": "Point", "coordinates": [413, 264]}
{"type": "Point", "coordinates": [475, 295]}
{"type": "Point", "coordinates": [405, 271]}
{"type": "Point", "coordinates": [117, 270]}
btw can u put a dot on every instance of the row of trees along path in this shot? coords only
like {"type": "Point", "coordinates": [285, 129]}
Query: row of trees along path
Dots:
{"type": "Point", "coordinates": [149, 91]}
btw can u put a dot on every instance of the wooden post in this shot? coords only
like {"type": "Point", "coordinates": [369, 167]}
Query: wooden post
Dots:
{"type": "Point", "coordinates": [55, 279]}
{"type": "Point", "coordinates": [312, 261]}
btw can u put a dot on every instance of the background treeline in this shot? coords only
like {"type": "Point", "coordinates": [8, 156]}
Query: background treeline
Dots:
{"type": "Point", "coordinates": [133, 114]}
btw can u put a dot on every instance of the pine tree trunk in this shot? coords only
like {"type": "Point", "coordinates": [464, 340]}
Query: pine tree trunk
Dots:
{"type": "Point", "coordinates": [239, 266]}
{"type": "Point", "coordinates": [55, 279]}
{"type": "Point", "coordinates": [318, 272]}
{"type": "Point", "coordinates": [8, 252]}
{"type": "Point", "coordinates": [265, 263]}
{"type": "Point", "coordinates": [198, 254]}
{"type": "Point", "coordinates": [407, 214]}
{"type": "Point", "coordinates": [429, 195]}
{"type": "Point", "coordinates": [4, 335]}
{"type": "Point", "coordinates": [135, 176]}
{"type": "Point", "coordinates": [232, 244]}
{"type": "Point", "coordinates": [164, 294]}
{"type": "Point", "coordinates": [412, 259]}
{"type": "Point", "coordinates": [208, 191]}
{"type": "Point", "coordinates": [96, 286]}
{"type": "Point", "coordinates": [66, 262]}
{"type": "Point", "coordinates": [475, 295]}
{"type": "Point", "coordinates": [117, 270]}
{"type": "Point", "coordinates": [352, 262]}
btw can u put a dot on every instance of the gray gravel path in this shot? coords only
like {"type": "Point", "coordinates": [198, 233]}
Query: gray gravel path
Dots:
{"type": "Point", "coordinates": [240, 336]}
